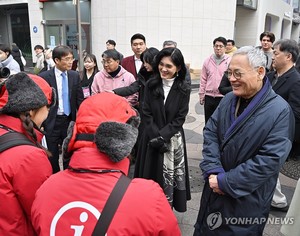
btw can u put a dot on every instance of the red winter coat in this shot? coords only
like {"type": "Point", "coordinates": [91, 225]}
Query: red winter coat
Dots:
{"type": "Point", "coordinates": [69, 203]}
{"type": "Point", "coordinates": [22, 171]}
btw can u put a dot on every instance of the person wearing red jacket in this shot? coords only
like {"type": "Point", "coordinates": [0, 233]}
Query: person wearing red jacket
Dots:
{"type": "Point", "coordinates": [99, 142]}
{"type": "Point", "coordinates": [134, 63]}
{"type": "Point", "coordinates": [24, 104]}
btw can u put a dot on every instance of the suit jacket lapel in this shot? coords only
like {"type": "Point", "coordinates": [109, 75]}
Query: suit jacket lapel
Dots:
{"type": "Point", "coordinates": [52, 81]}
{"type": "Point", "coordinates": [282, 79]}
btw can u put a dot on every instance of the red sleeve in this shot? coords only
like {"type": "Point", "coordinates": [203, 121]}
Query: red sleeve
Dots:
{"type": "Point", "coordinates": [34, 168]}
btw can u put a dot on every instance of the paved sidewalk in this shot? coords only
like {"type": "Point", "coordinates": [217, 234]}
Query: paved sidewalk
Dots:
{"type": "Point", "coordinates": [193, 130]}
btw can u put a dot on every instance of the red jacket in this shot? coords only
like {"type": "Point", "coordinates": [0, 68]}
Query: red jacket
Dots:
{"type": "Point", "coordinates": [128, 64]}
{"type": "Point", "coordinates": [22, 171]}
{"type": "Point", "coordinates": [69, 203]}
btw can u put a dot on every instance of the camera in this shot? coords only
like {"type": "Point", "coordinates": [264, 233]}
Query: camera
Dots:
{"type": "Point", "coordinates": [4, 72]}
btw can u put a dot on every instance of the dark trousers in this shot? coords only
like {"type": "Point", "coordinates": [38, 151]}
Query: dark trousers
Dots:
{"type": "Point", "coordinates": [58, 134]}
{"type": "Point", "coordinates": [210, 105]}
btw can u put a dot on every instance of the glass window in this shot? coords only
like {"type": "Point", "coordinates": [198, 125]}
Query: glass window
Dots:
{"type": "Point", "coordinates": [252, 4]}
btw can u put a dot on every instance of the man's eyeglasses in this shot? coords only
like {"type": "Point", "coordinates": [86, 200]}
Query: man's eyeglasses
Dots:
{"type": "Point", "coordinates": [106, 62]}
{"type": "Point", "coordinates": [219, 46]}
{"type": "Point", "coordinates": [236, 74]}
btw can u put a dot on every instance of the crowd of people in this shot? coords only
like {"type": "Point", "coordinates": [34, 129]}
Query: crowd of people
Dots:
{"type": "Point", "coordinates": [97, 122]}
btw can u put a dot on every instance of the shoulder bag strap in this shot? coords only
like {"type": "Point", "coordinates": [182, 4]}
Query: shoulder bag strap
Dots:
{"type": "Point", "coordinates": [111, 206]}
{"type": "Point", "coordinates": [12, 139]}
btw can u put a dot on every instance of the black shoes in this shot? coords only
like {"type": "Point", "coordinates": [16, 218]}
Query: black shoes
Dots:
{"type": "Point", "coordinates": [282, 209]}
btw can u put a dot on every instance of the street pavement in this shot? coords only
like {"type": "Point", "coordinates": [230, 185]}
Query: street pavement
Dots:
{"type": "Point", "coordinates": [193, 131]}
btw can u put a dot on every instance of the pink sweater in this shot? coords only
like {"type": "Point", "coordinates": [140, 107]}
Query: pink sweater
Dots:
{"type": "Point", "coordinates": [103, 81]}
{"type": "Point", "coordinates": [211, 76]}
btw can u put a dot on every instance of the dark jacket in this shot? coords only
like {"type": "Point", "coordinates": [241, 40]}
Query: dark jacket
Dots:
{"type": "Point", "coordinates": [87, 82]}
{"type": "Point", "coordinates": [137, 86]}
{"type": "Point", "coordinates": [246, 153]}
{"type": "Point", "coordinates": [225, 85]}
{"type": "Point", "coordinates": [16, 53]}
{"type": "Point", "coordinates": [75, 93]}
{"type": "Point", "coordinates": [162, 120]}
{"type": "Point", "coordinates": [288, 87]}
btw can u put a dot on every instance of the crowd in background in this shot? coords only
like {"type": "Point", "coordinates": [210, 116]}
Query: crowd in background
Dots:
{"type": "Point", "coordinates": [97, 122]}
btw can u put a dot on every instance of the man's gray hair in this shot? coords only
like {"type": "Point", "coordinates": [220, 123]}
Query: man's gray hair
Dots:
{"type": "Point", "coordinates": [169, 43]}
{"type": "Point", "coordinates": [255, 56]}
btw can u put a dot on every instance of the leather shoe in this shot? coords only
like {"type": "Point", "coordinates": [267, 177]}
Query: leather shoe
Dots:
{"type": "Point", "coordinates": [282, 209]}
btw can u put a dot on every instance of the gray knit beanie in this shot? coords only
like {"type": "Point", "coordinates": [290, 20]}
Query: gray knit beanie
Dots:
{"type": "Point", "coordinates": [23, 94]}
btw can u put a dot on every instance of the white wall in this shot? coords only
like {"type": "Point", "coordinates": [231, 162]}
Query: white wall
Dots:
{"type": "Point", "coordinates": [35, 18]}
{"type": "Point", "coordinates": [250, 24]}
{"type": "Point", "coordinates": [193, 24]}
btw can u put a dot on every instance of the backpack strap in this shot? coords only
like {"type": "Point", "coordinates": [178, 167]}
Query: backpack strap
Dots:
{"type": "Point", "coordinates": [12, 139]}
{"type": "Point", "coordinates": [111, 206]}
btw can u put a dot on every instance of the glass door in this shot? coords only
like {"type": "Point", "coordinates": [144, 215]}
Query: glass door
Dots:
{"type": "Point", "coordinates": [54, 35]}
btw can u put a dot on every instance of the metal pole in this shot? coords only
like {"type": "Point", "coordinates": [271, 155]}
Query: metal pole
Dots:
{"type": "Point", "coordinates": [79, 38]}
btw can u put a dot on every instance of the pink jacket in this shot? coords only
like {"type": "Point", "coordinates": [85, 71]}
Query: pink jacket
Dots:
{"type": "Point", "coordinates": [211, 76]}
{"type": "Point", "coordinates": [23, 169]}
{"type": "Point", "coordinates": [70, 203]}
{"type": "Point", "coordinates": [103, 81]}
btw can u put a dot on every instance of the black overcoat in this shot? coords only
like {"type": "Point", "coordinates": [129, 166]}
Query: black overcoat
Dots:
{"type": "Point", "coordinates": [163, 120]}
{"type": "Point", "coordinates": [288, 87]}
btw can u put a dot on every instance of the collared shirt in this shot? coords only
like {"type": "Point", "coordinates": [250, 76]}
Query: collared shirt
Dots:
{"type": "Point", "coordinates": [138, 64]}
{"type": "Point", "coordinates": [59, 78]}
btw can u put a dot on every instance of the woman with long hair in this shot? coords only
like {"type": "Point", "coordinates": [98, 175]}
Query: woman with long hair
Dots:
{"type": "Point", "coordinates": [89, 70]}
{"type": "Point", "coordinates": [162, 153]}
{"type": "Point", "coordinates": [148, 59]}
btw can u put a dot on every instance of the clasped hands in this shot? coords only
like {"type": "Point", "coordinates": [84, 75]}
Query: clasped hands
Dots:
{"type": "Point", "coordinates": [213, 184]}
{"type": "Point", "coordinates": [159, 143]}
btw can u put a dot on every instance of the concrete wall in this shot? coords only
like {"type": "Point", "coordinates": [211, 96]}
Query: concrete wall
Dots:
{"type": "Point", "coordinates": [193, 24]}
{"type": "Point", "coordinates": [35, 17]}
{"type": "Point", "coordinates": [250, 24]}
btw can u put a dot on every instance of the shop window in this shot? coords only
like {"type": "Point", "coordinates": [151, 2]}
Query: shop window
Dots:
{"type": "Point", "coordinates": [251, 4]}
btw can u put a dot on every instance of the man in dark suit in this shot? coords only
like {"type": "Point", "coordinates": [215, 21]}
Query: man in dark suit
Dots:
{"type": "Point", "coordinates": [69, 96]}
{"type": "Point", "coordinates": [133, 63]}
{"type": "Point", "coordinates": [285, 81]}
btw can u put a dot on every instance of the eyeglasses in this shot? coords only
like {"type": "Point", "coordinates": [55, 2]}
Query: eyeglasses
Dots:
{"type": "Point", "coordinates": [236, 74]}
{"type": "Point", "coordinates": [68, 59]}
{"type": "Point", "coordinates": [107, 62]}
{"type": "Point", "coordinates": [219, 46]}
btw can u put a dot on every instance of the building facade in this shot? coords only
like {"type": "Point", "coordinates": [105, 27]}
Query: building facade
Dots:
{"type": "Point", "coordinates": [193, 24]}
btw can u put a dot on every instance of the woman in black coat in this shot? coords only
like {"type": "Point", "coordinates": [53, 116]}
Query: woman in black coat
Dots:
{"type": "Point", "coordinates": [148, 59]}
{"type": "Point", "coordinates": [162, 153]}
